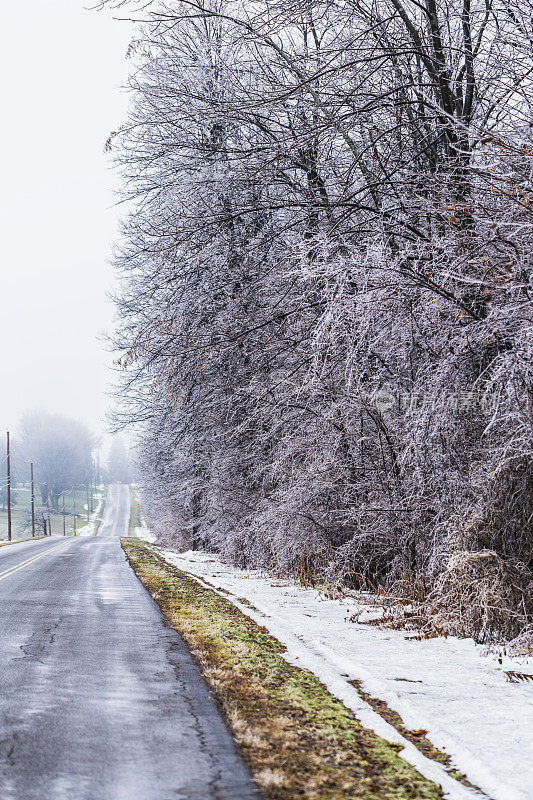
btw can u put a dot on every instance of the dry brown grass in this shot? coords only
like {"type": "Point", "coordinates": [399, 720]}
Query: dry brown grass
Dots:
{"type": "Point", "coordinates": [299, 740]}
{"type": "Point", "coordinates": [418, 737]}
{"type": "Point", "coordinates": [481, 595]}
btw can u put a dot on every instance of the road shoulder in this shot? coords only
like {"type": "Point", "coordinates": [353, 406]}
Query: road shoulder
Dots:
{"type": "Point", "coordinates": [299, 740]}
{"type": "Point", "coordinates": [30, 539]}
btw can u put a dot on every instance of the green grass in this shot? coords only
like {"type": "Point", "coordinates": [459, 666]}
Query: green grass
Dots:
{"type": "Point", "coordinates": [27, 539]}
{"type": "Point", "coordinates": [299, 740]}
{"type": "Point", "coordinates": [20, 528]}
{"type": "Point", "coordinates": [20, 509]}
{"type": "Point", "coordinates": [134, 512]}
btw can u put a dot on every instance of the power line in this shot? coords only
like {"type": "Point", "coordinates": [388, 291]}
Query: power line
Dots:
{"type": "Point", "coordinates": [8, 490]}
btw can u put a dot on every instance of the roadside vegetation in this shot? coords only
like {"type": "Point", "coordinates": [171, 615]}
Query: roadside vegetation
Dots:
{"type": "Point", "coordinates": [21, 514]}
{"type": "Point", "coordinates": [25, 539]}
{"type": "Point", "coordinates": [61, 450]}
{"type": "Point", "coordinates": [417, 737]}
{"type": "Point", "coordinates": [134, 512]}
{"type": "Point", "coordinates": [299, 740]}
{"type": "Point", "coordinates": [325, 302]}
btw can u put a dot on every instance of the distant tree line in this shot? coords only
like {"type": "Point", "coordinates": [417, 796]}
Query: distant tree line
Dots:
{"type": "Point", "coordinates": [61, 450]}
{"type": "Point", "coordinates": [325, 320]}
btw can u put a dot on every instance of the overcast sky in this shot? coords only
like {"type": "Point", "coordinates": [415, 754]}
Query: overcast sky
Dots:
{"type": "Point", "coordinates": [61, 66]}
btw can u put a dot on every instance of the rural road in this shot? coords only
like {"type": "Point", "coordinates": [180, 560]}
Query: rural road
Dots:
{"type": "Point", "coordinates": [99, 698]}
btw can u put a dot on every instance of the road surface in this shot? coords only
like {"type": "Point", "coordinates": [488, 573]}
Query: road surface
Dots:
{"type": "Point", "coordinates": [99, 698]}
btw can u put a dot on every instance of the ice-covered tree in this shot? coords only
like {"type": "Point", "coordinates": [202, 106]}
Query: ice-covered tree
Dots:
{"type": "Point", "coordinates": [325, 304]}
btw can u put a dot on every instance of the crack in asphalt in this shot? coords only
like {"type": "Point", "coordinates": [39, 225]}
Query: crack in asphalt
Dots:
{"type": "Point", "coordinates": [103, 700]}
{"type": "Point", "coordinates": [10, 743]}
{"type": "Point", "coordinates": [215, 772]}
{"type": "Point", "coordinates": [35, 648]}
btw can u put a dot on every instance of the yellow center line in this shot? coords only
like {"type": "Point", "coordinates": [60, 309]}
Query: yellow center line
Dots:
{"type": "Point", "coordinates": [31, 558]}
{"type": "Point", "coordinates": [6, 573]}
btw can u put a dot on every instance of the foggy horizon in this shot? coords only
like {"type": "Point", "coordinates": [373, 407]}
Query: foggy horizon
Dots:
{"type": "Point", "coordinates": [303, 569]}
{"type": "Point", "coordinates": [58, 208]}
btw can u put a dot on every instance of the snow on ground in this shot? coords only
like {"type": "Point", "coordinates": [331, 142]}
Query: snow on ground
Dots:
{"type": "Point", "coordinates": [88, 530]}
{"type": "Point", "coordinates": [450, 687]}
{"type": "Point", "coordinates": [146, 534]}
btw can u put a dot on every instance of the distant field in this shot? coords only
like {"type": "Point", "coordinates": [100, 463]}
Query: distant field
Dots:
{"type": "Point", "coordinates": [20, 514]}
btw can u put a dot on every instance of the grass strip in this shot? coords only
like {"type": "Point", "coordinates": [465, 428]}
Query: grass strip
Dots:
{"type": "Point", "coordinates": [18, 541]}
{"type": "Point", "coordinates": [134, 513]}
{"type": "Point", "coordinates": [299, 740]}
{"type": "Point", "coordinates": [418, 738]}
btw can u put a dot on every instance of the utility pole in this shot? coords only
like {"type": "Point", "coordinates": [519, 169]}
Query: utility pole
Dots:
{"type": "Point", "coordinates": [87, 488]}
{"type": "Point", "coordinates": [32, 501]}
{"type": "Point", "coordinates": [8, 490]}
{"type": "Point", "coordinates": [48, 511]}
{"type": "Point", "coordinates": [64, 523]}
{"type": "Point", "coordinates": [74, 509]}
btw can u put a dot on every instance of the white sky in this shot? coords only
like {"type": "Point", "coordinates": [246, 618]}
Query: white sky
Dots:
{"type": "Point", "coordinates": [61, 66]}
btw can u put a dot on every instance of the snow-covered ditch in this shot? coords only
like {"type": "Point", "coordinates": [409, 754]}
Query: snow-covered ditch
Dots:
{"type": "Point", "coordinates": [88, 529]}
{"type": "Point", "coordinates": [450, 687]}
{"type": "Point", "coordinates": [143, 532]}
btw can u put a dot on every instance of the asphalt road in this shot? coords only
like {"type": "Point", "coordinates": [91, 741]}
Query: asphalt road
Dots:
{"type": "Point", "coordinates": [99, 698]}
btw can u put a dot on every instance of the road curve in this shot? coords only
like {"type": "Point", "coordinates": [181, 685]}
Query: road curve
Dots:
{"type": "Point", "coordinates": [99, 698]}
